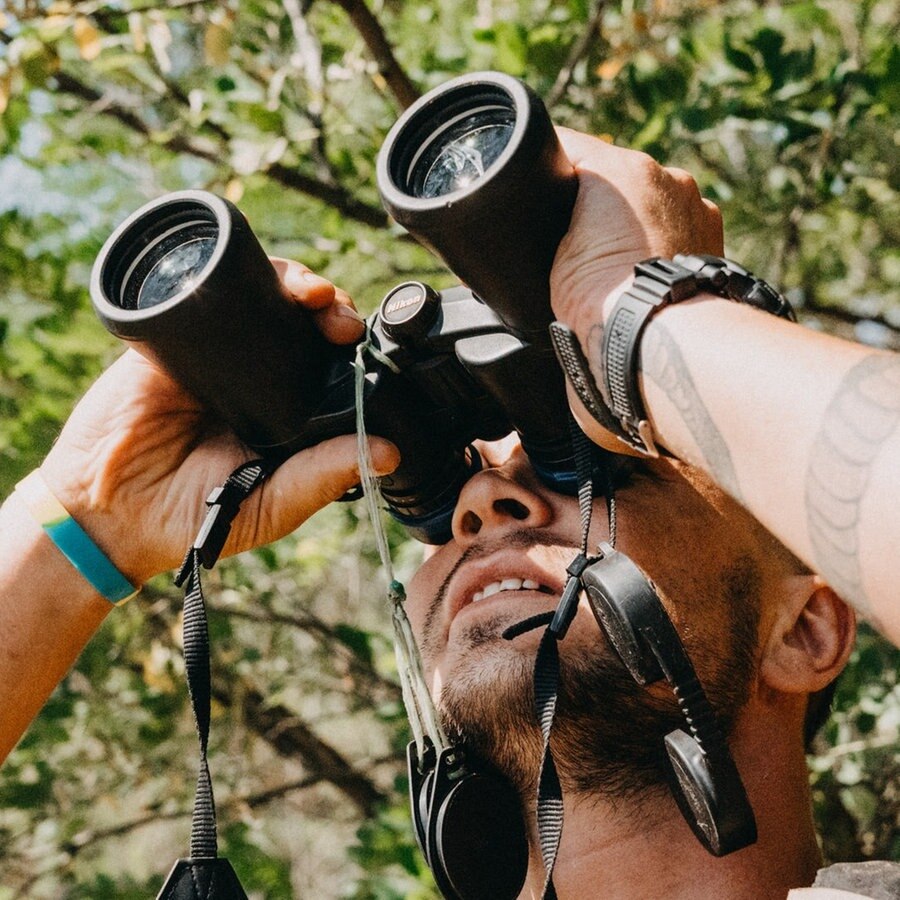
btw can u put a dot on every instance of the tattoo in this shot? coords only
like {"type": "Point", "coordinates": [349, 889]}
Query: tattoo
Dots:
{"type": "Point", "coordinates": [661, 360]}
{"type": "Point", "coordinates": [861, 416]}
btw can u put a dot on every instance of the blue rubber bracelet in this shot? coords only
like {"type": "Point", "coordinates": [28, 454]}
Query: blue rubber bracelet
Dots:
{"type": "Point", "coordinates": [72, 540]}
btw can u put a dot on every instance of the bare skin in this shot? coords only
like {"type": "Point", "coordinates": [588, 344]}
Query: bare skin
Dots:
{"type": "Point", "coordinates": [801, 428]}
{"type": "Point", "coordinates": [809, 447]}
{"type": "Point", "coordinates": [667, 519]}
{"type": "Point", "coordinates": [133, 466]}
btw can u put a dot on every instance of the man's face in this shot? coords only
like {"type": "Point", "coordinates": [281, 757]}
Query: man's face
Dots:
{"type": "Point", "coordinates": [512, 540]}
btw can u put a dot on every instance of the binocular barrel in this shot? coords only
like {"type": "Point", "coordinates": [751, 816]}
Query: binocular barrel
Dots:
{"type": "Point", "coordinates": [186, 281]}
{"type": "Point", "coordinates": [475, 171]}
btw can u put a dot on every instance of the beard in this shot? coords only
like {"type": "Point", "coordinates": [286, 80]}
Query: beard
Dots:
{"type": "Point", "coordinates": [608, 733]}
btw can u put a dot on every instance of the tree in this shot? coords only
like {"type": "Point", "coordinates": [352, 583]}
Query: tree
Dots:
{"type": "Point", "coordinates": [786, 113]}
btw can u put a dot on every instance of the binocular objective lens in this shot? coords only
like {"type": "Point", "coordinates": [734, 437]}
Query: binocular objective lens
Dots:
{"type": "Point", "coordinates": [169, 265]}
{"type": "Point", "coordinates": [175, 272]}
{"type": "Point", "coordinates": [459, 152]}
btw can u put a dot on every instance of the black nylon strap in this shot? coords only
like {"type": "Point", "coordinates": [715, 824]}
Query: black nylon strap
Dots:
{"type": "Point", "coordinates": [549, 798]}
{"type": "Point", "coordinates": [578, 372]}
{"type": "Point", "coordinates": [196, 665]}
{"type": "Point", "coordinates": [546, 664]}
{"type": "Point", "coordinates": [224, 503]}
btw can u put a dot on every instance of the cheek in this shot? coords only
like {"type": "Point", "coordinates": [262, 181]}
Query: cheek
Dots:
{"type": "Point", "coordinates": [421, 592]}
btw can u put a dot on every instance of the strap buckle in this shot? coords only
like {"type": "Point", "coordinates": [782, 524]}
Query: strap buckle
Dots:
{"type": "Point", "coordinates": [223, 505]}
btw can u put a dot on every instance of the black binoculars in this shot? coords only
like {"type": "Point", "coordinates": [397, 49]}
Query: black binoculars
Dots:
{"type": "Point", "coordinates": [473, 170]}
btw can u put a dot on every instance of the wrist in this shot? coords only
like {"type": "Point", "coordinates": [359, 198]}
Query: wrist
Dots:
{"type": "Point", "coordinates": [614, 342]}
{"type": "Point", "coordinates": [87, 558]}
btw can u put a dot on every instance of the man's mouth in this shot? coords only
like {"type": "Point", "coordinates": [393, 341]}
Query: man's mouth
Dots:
{"type": "Point", "coordinates": [489, 578]}
{"type": "Point", "coordinates": [510, 584]}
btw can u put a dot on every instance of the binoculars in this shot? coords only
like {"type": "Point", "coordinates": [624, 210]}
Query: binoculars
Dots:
{"type": "Point", "coordinates": [475, 172]}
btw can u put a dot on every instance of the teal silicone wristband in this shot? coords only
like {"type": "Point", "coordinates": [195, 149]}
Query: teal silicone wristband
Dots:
{"type": "Point", "coordinates": [73, 542]}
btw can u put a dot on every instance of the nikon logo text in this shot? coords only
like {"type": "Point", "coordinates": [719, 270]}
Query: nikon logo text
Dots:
{"type": "Point", "coordinates": [402, 302]}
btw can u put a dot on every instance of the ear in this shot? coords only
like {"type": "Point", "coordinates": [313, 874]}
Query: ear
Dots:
{"type": "Point", "coordinates": [811, 637]}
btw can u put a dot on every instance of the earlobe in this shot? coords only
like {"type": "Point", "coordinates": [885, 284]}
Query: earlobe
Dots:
{"type": "Point", "coordinates": [811, 638]}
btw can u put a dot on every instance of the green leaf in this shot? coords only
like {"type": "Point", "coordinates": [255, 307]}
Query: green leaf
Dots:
{"type": "Point", "coordinates": [738, 58]}
{"type": "Point", "coordinates": [511, 48]}
{"type": "Point", "coordinates": [357, 640]}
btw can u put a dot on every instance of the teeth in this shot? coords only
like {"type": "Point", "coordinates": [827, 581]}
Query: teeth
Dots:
{"type": "Point", "coordinates": [508, 584]}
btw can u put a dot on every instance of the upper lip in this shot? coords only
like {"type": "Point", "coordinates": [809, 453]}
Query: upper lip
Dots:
{"type": "Point", "coordinates": [475, 575]}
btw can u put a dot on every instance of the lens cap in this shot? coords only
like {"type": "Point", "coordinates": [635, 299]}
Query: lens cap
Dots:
{"type": "Point", "coordinates": [481, 840]}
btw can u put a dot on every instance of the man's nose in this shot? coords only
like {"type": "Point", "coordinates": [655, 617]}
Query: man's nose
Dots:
{"type": "Point", "coordinates": [493, 501]}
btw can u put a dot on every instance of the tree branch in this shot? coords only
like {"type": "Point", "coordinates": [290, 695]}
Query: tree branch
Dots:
{"type": "Point", "coordinates": [577, 51]}
{"type": "Point", "coordinates": [369, 28]}
{"type": "Point", "coordinates": [86, 838]}
{"type": "Point", "coordinates": [280, 727]}
{"type": "Point", "coordinates": [291, 737]}
{"type": "Point", "coordinates": [332, 195]}
{"type": "Point", "coordinates": [313, 625]}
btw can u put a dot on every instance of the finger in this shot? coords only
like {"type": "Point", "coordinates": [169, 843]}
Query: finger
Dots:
{"type": "Point", "coordinates": [495, 453]}
{"type": "Point", "coordinates": [315, 477]}
{"type": "Point", "coordinates": [305, 286]}
{"type": "Point", "coordinates": [713, 208]}
{"type": "Point", "coordinates": [715, 230]}
{"type": "Point", "coordinates": [340, 322]}
{"type": "Point", "coordinates": [682, 176]}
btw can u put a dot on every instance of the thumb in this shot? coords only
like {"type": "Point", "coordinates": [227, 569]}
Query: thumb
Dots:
{"type": "Point", "coordinates": [583, 149]}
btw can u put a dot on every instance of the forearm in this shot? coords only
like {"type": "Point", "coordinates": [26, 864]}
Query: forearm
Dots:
{"type": "Point", "coordinates": [799, 427]}
{"type": "Point", "coordinates": [48, 611]}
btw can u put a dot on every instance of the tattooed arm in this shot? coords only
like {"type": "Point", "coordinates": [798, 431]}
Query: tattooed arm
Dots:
{"type": "Point", "coordinates": [801, 428]}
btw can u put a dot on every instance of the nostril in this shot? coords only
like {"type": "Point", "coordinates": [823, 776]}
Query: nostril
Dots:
{"type": "Point", "coordinates": [510, 507]}
{"type": "Point", "coordinates": [471, 524]}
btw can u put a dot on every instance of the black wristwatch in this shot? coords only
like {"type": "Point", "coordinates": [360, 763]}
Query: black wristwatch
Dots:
{"type": "Point", "coordinates": [619, 407]}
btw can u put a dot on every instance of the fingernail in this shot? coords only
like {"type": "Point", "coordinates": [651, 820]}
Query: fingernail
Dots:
{"type": "Point", "coordinates": [315, 280]}
{"type": "Point", "coordinates": [348, 312]}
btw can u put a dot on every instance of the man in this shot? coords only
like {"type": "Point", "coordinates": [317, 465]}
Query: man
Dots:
{"type": "Point", "coordinates": [808, 453]}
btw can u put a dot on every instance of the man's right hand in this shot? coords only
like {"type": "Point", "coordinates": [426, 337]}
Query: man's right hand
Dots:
{"type": "Point", "coordinates": [629, 208]}
{"type": "Point", "coordinates": [138, 456]}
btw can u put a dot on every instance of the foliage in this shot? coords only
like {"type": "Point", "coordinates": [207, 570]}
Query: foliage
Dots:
{"type": "Point", "coordinates": [787, 114]}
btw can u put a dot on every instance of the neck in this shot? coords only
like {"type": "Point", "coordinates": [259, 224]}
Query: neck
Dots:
{"type": "Point", "coordinates": [655, 854]}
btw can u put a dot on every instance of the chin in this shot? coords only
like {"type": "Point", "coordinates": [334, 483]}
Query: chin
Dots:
{"type": "Point", "coordinates": [486, 688]}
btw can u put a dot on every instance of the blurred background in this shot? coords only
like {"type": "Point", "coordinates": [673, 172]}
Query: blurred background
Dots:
{"type": "Point", "coordinates": [787, 114]}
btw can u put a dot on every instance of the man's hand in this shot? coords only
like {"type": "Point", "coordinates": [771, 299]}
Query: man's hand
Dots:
{"type": "Point", "coordinates": [138, 456]}
{"type": "Point", "coordinates": [629, 208]}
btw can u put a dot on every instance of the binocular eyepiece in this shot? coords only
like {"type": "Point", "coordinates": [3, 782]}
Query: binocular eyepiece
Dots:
{"type": "Point", "coordinates": [474, 171]}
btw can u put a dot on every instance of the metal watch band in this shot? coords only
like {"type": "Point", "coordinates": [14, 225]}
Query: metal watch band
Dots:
{"type": "Point", "coordinates": [618, 405]}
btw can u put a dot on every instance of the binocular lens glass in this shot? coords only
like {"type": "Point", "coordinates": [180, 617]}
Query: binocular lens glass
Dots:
{"type": "Point", "coordinates": [175, 272]}
{"type": "Point", "coordinates": [459, 152]}
{"type": "Point", "coordinates": [169, 265]}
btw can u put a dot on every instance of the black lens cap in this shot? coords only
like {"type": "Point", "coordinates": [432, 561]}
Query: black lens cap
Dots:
{"type": "Point", "coordinates": [481, 840]}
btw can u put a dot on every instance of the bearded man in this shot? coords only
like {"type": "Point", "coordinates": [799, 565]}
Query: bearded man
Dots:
{"type": "Point", "coordinates": [775, 504]}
